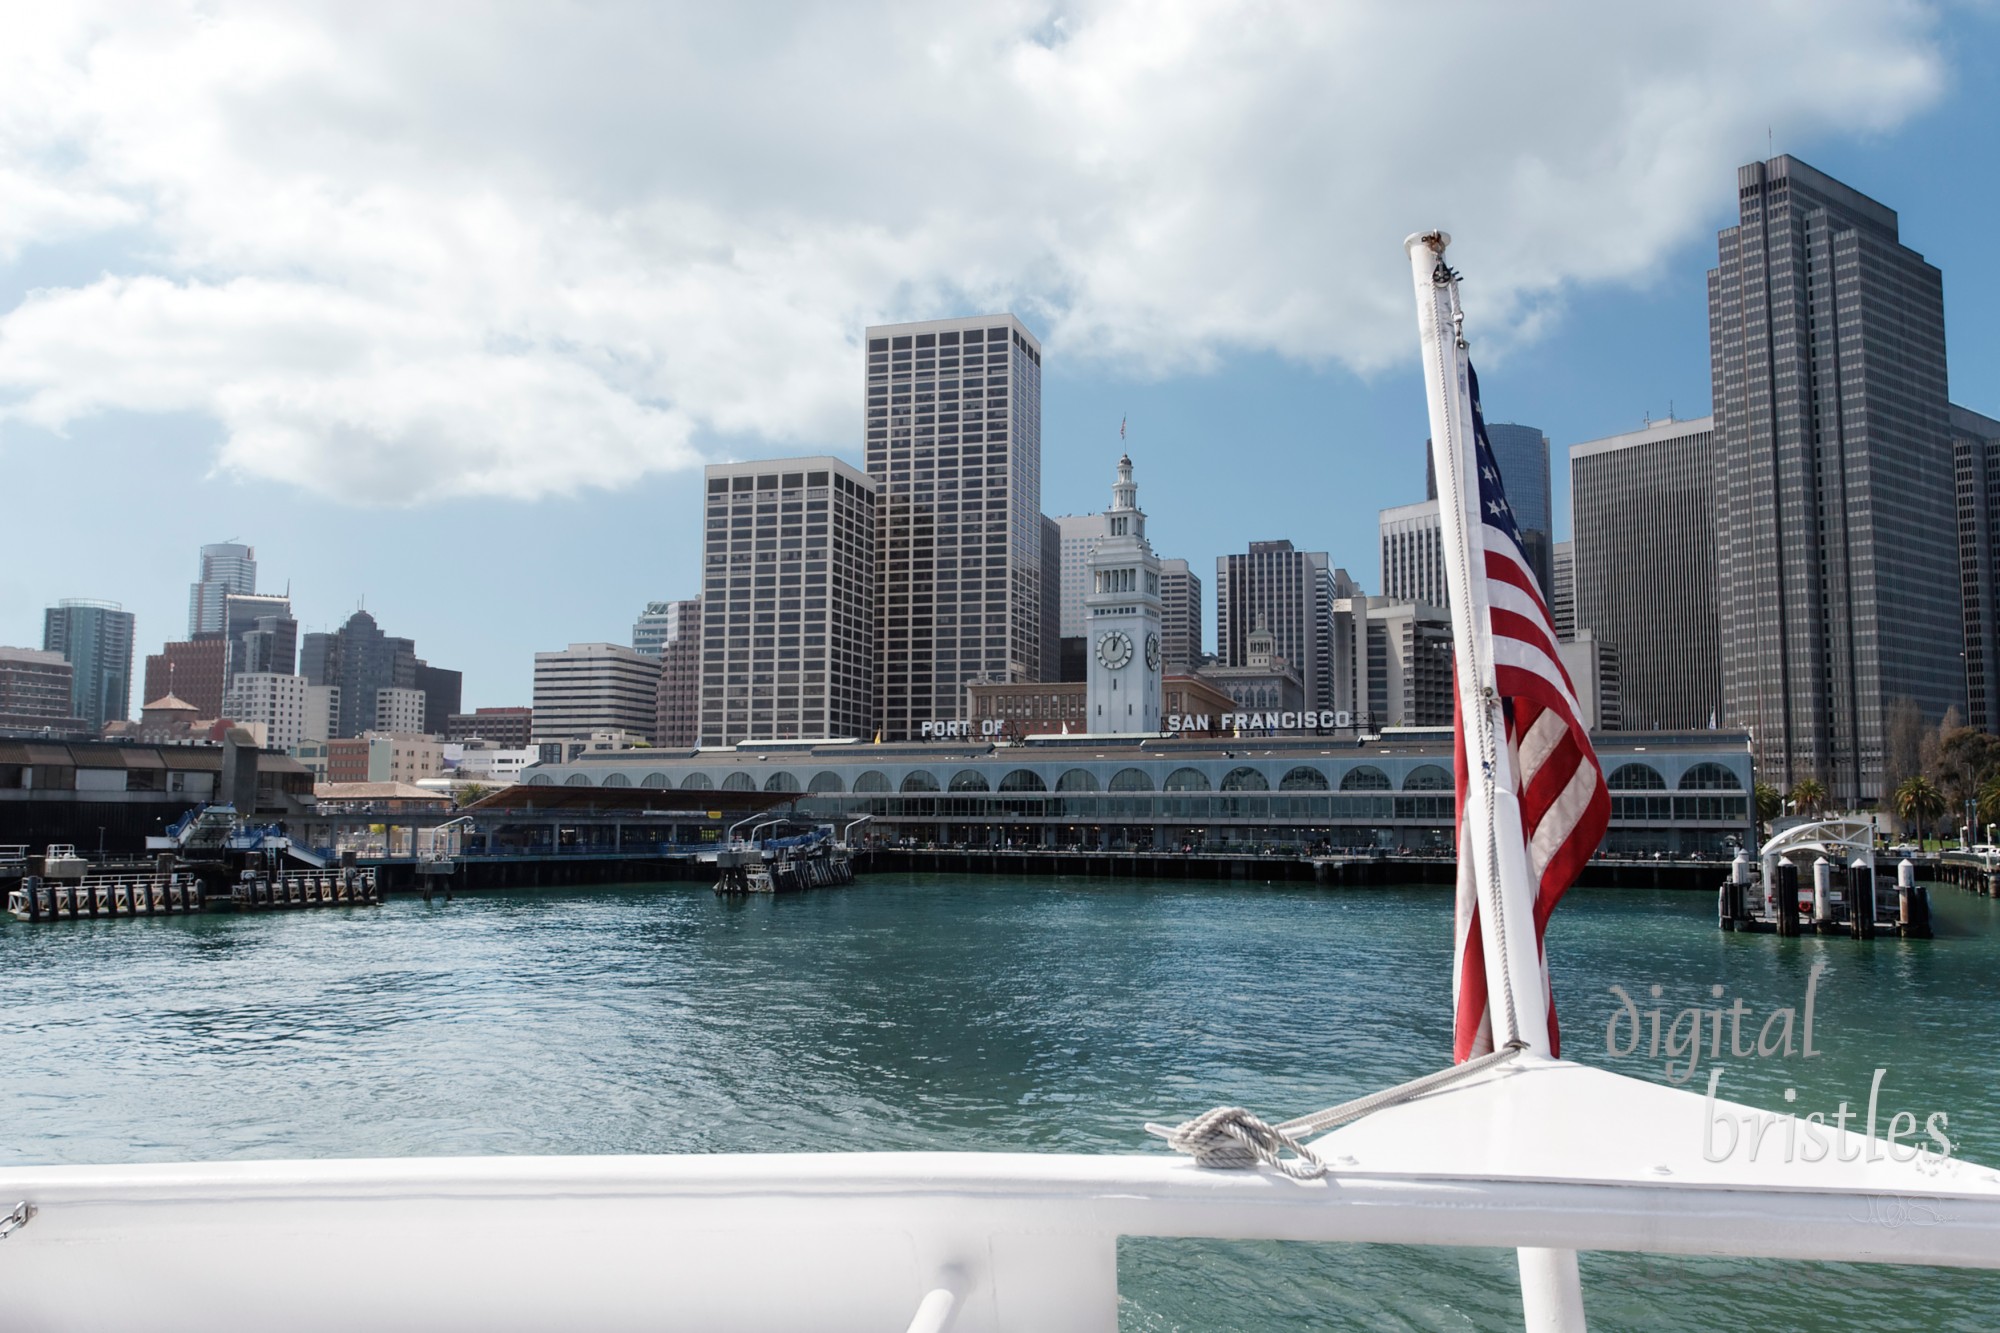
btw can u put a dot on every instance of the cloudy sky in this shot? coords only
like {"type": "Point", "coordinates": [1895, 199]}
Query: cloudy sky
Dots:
{"type": "Point", "coordinates": [442, 307]}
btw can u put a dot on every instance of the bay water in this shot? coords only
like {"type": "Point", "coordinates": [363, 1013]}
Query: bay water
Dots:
{"type": "Point", "coordinates": [977, 1013]}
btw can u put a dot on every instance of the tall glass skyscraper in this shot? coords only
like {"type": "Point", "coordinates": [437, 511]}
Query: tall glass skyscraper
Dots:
{"type": "Point", "coordinates": [1523, 455]}
{"type": "Point", "coordinates": [95, 638]}
{"type": "Point", "coordinates": [954, 444]}
{"type": "Point", "coordinates": [1838, 579]}
{"type": "Point", "coordinates": [225, 568]}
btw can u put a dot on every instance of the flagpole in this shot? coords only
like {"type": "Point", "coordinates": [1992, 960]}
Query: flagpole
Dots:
{"type": "Point", "coordinates": [1491, 836]}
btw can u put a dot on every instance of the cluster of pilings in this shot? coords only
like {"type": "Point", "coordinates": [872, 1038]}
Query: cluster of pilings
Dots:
{"type": "Point", "coordinates": [1843, 900]}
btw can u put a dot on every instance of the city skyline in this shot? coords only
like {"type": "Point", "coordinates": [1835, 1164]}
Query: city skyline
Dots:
{"type": "Point", "coordinates": [1215, 441]}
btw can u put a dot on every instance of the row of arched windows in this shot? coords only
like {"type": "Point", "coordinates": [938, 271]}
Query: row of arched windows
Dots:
{"type": "Point", "coordinates": [1304, 777]}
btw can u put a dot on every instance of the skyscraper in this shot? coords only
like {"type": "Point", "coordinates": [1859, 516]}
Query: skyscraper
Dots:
{"type": "Point", "coordinates": [1642, 506]}
{"type": "Point", "coordinates": [788, 623]}
{"type": "Point", "coordinates": [1051, 668]}
{"type": "Point", "coordinates": [443, 692]}
{"type": "Point", "coordinates": [225, 568]}
{"type": "Point", "coordinates": [1523, 455]}
{"type": "Point", "coordinates": [1837, 555]}
{"type": "Point", "coordinates": [1562, 590]}
{"type": "Point", "coordinates": [95, 638]}
{"type": "Point", "coordinates": [1293, 591]}
{"type": "Point", "coordinates": [360, 659]}
{"type": "Point", "coordinates": [262, 634]}
{"type": "Point", "coordinates": [1079, 535]}
{"type": "Point", "coordinates": [677, 706]}
{"type": "Point", "coordinates": [195, 671]}
{"type": "Point", "coordinates": [1183, 633]}
{"type": "Point", "coordinates": [954, 444]}
{"type": "Point", "coordinates": [594, 687]}
{"type": "Point", "coordinates": [653, 627]}
{"type": "Point", "coordinates": [1413, 554]}
{"type": "Point", "coordinates": [1975, 448]}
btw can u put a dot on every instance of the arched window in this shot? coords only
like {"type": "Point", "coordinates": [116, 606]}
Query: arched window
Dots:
{"type": "Point", "coordinates": [1130, 779]}
{"type": "Point", "coordinates": [967, 779]}
{"type": "Point", "coordinates": [782, 780]}
{"type": "Point", "coordinates": [541, 780]}
{"type": "Point", "coordinates": [872, 781]}
{"type": "Point", "coordinates": [1303, 778]}
{"type": "Point", "coordinates": [1636, 777]}
{"type": "Point", "coordinates": [739, 782]}
{"type": "Point", "coordinates": [1023, 779]}
{"type": "Point", "coordinates": [1427, 777]}
{"type": "Point", "coordinates": [920, 779]}
{"type": "Point", "coordinates": [697, 782]}
{"type": "Point", "coordinates": [1364, 777]}
{"type": "Point", "coordinates": [1076, 779]}
{"type": "Point", "coordinates": [617, 780]}
{"type": "Point", "coordinates": [1245, 779]}
{"type": "Point", "coordinates": [826, 781]}
{"type": "Point", "coordinates": [653, 780]}
{"type": "Point", "coordinates": [1187, 779]}
{"type": "Point", "coordinates": [576, 780]}
{"type": "Point", "coordinates": [1709, 777]}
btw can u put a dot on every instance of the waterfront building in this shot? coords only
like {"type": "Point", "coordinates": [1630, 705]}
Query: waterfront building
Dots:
{"type": "Point", "coordinates": [1837, 557]}
{"type": "Point", "coordinates": [590, 687]}
{"type": "Point", "coordinates": [1051, 667]}
{"type": "Point", "coordinates": [36, 691]}
{"type": "Point", "coordinates": [1562, 593]}
{"type": "Point", "coordinates": [95, 638]}
{"type": "Point", "coordinates": [1670, 792]}
{"type": "Point", "coordinates": [379, 756]}
{"type": "Point", "coordinates": [225, 568]}
{"type": "Point", "coordinates": [115, 794]}
{"type": "Point", "coordinates": [1037, 708]}
{"type": "Point", "coordinates": [1413, 554]}
{"type": "Point", "coordinates": [167, 720]}
{"type": "Point", "coordinates": [677, 704]}
{"type": "Point", "coordinates": [1183, 629]}
{"type": "Point", "coordinates": [1123, 607]}
{"type": "Point", "coordinates": [399, 711]}
{"type": "Point", "coordinates": [1593, 668]}
{"type": "Point", "coordinates": [1078, 535]}
{"type": "Point", "coordinates": [1642, 511]}
{"type": "Point", "coordinates": [271, 701]}
{"type": "Point", "coordinates": [196, 670]}
{"type": "Point", "coordinates": [509, 728]}
{"type": "Point", "coordinates": [1291, 592]}
{"type": "Point", "coordinates": [361, 660]}
{"type": "Point", "coordinates": [1975, 448]}
{"type": "Point", "coordinates": [954, 443]}
{"type": "Point", "coordinates": [261, 633]}
{"type": "Point", "coordinates": [788, 603]}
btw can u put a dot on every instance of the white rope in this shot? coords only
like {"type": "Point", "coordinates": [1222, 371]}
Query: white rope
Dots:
{"type": "Point", "coordinates": [1230, 1138]}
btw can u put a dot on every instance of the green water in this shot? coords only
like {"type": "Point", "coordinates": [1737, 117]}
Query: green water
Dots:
{"type": "Point", "coordinates": [926, 1012]}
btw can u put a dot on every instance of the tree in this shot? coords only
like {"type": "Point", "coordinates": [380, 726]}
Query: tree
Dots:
{"type": "Point", "coordinates": [1770, 804]}
{"type": "Point", "coordinates": [1903, 734]}
{"type": "Point", "coordinates": [470, 792]}
{"type": "Point", "coordinates": [1809, 796]}
{"type": "Point", "coordinates": [1919, 802]}
{"type": "Point", "coordinates": [1989, 800]}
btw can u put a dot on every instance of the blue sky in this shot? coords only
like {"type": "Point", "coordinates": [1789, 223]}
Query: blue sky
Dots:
{"type": "Point", "coordinates": [488, 430]}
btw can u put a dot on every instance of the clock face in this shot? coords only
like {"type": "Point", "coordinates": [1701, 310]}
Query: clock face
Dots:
{"type": "Point", "coordinates": [1114, 648]}
{"type": "Point", "coordinates": [1153, 651]}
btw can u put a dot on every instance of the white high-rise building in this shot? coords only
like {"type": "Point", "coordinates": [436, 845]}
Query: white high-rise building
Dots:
{"type": "Point", "coordinates": [954, 444]}
{"type": "Point", "coordinates": [400, 711]}
{"type": "Point", "coordinates": [1123, 695]}
{"type": "Point", "coordinates": [274, 700]}
{"type": "Point", "coordinates": [594, 687]}
{"type": "Point", "coordinates": [1413, 554]}
{"type": "Point", "coordinates": [225, 568]}
{"type": "Point", "coordinates": [1079, 534]}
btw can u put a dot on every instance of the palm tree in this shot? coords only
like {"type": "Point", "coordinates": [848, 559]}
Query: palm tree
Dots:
{"type": "Point", "coordinates": [1769, 806]}
{"type": "Point", "coordinates": [470, 792]}
{"type": "Point", "coordinates": [1989, 800]}
{"type": "Point", "coordinates": [1919, 801]}
{"type": "Point", "coordinates": [1809, 796]}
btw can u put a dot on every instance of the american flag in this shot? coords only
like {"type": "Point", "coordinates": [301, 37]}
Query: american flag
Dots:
{"type": "Point", "coordinates": [1564, 805]}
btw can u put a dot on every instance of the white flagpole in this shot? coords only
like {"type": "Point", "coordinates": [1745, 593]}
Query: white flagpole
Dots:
{"type": "Point", "coordinates": [1492, 835]}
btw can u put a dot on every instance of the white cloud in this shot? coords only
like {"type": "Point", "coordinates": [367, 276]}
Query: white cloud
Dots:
{"type": "Point", "coordinates": [412, 251]}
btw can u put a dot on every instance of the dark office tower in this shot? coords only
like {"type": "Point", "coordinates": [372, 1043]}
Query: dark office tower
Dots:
{"type": "Point", "coordinates": [261, 633]}
{"type": "Point", "coordinates": [360, 659]}
{"type": "Point", "coordinates": [95, 638]}
{"type": "Point", "coordinates": [1292, 592]}
{"type": "Point", "coordinates": [443, 693]}
{"type": "Point", "coordinates": [225, 568]}
{"type": "Point", "coordinates": [1051, 600]}
{"type": "Point", "coordinates": [788, 628]}
{"type": "Point", "coordinates": [1523, 455]}
{"type": "Point", "coordinates": [1562, 589]}
{"type": "Point", "coordinates": [1975, 447]}
{"type": "Point", "coordinates": [955, 446]}
{"type": "Point", "coordinates": [1182, 631]}
{"type": "Point", "coordinates": [1837, 548]}
{"type": "Point", "coordinates": [1643, 510]}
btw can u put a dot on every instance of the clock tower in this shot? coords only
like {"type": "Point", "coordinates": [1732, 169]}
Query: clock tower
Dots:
{"type": "Point", "coordinates": [1123, 606]}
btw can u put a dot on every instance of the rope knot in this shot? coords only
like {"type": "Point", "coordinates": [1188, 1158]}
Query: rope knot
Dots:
{"type": "Point", "coordinates": [1230, 1138]}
